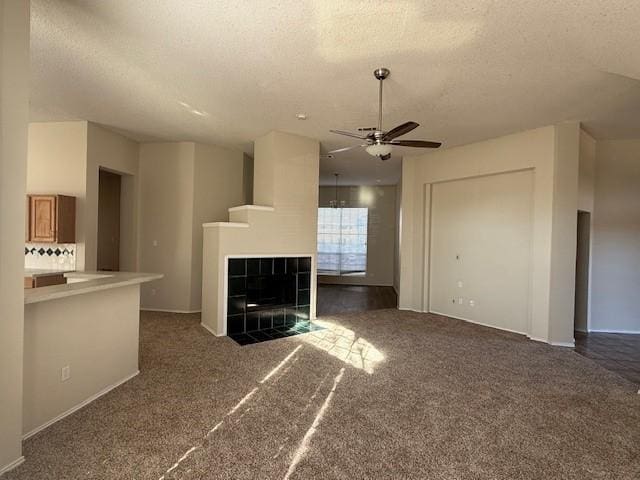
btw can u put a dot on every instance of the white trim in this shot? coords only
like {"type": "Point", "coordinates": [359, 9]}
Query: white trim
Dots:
{"type": "Point", "coordinates": [10, 466]}
{"type": "Point", "coordinates": [606, 330]}
{"type": "Point", "coordinates": [570, 344]}
{"type": "Point", "coordinates": [210, 330]}
{"type": "Point", "coordinates": [80, 405]}
{"type": "Point", "coordinates": [262, 208]}
{"type": "Point", "coordinates": [536, 339]}
{"type": "Point", "coordinates": [409, 309]}
{"type": "Point", "coordinates": [225, 224]}
{"type": "Point", "coordinates": [480, 323]}
{"type": "Point", "coordinates": [165, 310]}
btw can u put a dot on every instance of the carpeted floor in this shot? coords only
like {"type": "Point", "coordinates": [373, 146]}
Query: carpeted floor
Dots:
{"type": "Point", "coordinates": [378, 395]}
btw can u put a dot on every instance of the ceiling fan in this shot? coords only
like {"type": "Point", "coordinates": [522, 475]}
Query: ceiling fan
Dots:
{"type": "Point", "coordinates": [378, 142]}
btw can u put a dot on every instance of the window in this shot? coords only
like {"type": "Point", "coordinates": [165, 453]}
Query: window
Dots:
{"type": "Point", "coordinates": [342, 241]}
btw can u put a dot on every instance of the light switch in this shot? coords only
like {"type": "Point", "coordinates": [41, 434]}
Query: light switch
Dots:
{"type": "Point", "coordinates": [155, 243]}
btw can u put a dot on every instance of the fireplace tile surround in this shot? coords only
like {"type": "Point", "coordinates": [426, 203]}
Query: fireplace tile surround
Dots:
{"type": "Point", "coordinates": [268, 298]}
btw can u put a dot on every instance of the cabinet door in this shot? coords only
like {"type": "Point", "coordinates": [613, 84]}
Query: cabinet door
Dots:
{"type": "Point", "coordinates": [42, 213]}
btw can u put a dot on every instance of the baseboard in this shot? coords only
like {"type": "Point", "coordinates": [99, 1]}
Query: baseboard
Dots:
{"type": "Point", "coordinates": [480, 323]}
{"type": "Point", "coordinates": [164, 310]}
{"type": "Point", "coordinates": [626, 332]}
{"type": "Point", "coordinates": [210, 330]}
{"type": "Point", "coordinates": [407, 309]}
{"type": "Point", "coordinates": [80, 405]}
{"type": "Point", "coordinates": [17, 462]}
{"type": "Point", "coordinates": [571, 344]}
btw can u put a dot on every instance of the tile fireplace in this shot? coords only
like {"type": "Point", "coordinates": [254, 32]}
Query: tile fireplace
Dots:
{"type": "Point", "coordinates": [268, 297]}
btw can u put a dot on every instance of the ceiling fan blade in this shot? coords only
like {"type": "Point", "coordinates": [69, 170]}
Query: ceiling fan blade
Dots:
{"type": "Point", "coordinates": [399, 130]}
{"type": "Point", "coordinates": [348, 134]}
{"type": "Point", "coordinates": [385, 157]}
{"type": "Point", "coordinates": [344, 149]}
{"type": "Point", "coordinates": [416, 143]}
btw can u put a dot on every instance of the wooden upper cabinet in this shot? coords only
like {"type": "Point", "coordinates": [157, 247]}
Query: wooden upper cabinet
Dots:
{"type": "Point", "coordinates": [52, 219]}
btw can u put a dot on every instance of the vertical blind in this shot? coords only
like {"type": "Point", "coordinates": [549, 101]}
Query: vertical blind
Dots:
{"type": "Point", "coordinates": [342, 241]}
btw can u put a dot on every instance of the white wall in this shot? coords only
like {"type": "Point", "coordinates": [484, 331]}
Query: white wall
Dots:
{"type": "Point", "coordinates": [552, 152]}
{"type": "Point", "coordinates": [14, 112]}
{"type": "Point", "coordinates": [182, 186]}
{"type": "Point", "coordinates": [616, 237]}
{"type": "Point", "coordinates": [381, 242]}
{"type": "Point", "coordinates": [481, 249]}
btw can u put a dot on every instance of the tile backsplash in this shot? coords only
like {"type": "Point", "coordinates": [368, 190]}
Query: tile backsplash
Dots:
{"type": "Point", "coordinates": [50, 256]}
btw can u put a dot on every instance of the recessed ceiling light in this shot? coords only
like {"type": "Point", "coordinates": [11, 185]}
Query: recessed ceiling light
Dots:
{"type": "Point", "coordinates": [301, 116]}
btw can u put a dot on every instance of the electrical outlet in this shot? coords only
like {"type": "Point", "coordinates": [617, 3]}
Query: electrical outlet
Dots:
{"type": "Point", "coordinates": [472, 303]}
{"type": "Point", "coordinates": [155, 243]}
{"type": "Point", "coordinates": [459, 283]}
{"type": "Point", "coordinates": [65, 373]}
{"type": "Point", "coordinates": [153, 292]}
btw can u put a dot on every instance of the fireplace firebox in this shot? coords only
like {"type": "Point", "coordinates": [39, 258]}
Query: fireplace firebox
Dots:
{"type": "Point", "coordinates": [268, 297]}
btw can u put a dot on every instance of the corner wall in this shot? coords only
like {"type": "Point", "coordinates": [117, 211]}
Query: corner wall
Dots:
{"type": "Point", "coordinates": [182, 186]}
{"type": "Point", "coordinates": [552, 153]}
{"type": "Point", "coordinates": [14, 114]}
{"type": "Point", "coordinates": [65, 158]}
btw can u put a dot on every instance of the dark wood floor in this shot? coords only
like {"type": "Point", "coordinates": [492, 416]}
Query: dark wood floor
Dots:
{"type": "Point", "coordinates": [617, 352]}
{"type": "Point", "coordinates": [333, 299]}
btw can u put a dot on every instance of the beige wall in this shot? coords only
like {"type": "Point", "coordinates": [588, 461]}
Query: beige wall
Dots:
{"type": "Point", "coordinates": [381, 202]}
{"type": "Point", "coordinates": [14, 111]}
{"type": "Point", "coordinates": [57, 163]}
{"type": "Point", "coordinates": [218, 185]}
{"type": "Point", "coordinates": [586, 173]}
{"type": "Point", "coordinates": [552, 153]}
{"type": "Point", "coordinates": [616, 237]}
{"type": "Point", "coordinates": [118, 154]}
{"type": "Point", "coordinates": [183, 185]}
{"type": "Point", "coordinates": [65, 158]}
{"type": "Point", "coordinates": [481, 245]}
{"type": "Point", "coordinates": [397, 235]}
{"type": "Point", "coordinates": [286, 178]}
{"type": "Point", "coordinates": [55, 336]}
{"type": "Point", "coordinates": [166, 219]}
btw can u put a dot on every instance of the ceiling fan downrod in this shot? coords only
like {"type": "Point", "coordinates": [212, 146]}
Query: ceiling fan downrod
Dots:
{"type": "Point", "coordinates": [380, 74]}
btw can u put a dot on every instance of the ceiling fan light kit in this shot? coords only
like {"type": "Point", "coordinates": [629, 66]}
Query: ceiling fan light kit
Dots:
{"type": "Point", "coordinates": [378, 142]}
{"type": "Point", "coordinates": [378, 149]}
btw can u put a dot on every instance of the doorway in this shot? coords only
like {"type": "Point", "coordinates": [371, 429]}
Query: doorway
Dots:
{"type": "Point", "coordinates": [109, 191]}
{"type": "Point", "coordinates": [581, 310]}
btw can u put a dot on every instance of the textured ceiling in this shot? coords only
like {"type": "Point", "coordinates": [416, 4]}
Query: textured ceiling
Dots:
{"type": "Point", "coordinates": [228, 71]}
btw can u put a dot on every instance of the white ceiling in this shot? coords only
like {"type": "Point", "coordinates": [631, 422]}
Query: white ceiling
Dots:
{"type": "Point", "coordinates": [228, 71]}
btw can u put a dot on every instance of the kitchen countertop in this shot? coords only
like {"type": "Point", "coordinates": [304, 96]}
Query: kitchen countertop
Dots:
{"type": "Point", "coordinates": [41, 272]}
{"type": "Point", "coordinates": [87, 282]}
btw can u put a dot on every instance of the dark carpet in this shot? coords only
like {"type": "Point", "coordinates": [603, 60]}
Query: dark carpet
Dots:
{"type": "Point", "coordinates": [377, 395]}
